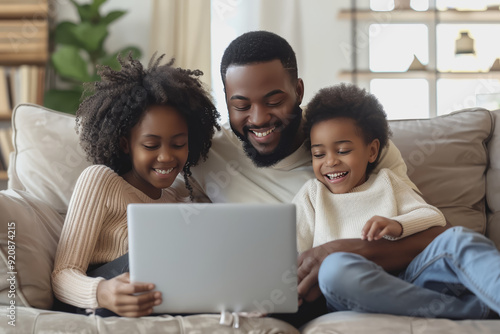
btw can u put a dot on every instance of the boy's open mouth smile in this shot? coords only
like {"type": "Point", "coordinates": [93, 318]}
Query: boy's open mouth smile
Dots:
{"type": "Point", "coordinates": [336, 176]}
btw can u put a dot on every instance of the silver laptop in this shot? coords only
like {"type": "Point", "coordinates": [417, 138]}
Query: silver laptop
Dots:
{"type": "Point", "coordinates": [208, 258]}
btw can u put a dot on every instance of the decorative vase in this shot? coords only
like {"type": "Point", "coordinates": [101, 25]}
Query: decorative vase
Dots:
{"type": "Point", "coordinates": [464, 44]}
{"type": "Point", "coordinates": [402, 4]}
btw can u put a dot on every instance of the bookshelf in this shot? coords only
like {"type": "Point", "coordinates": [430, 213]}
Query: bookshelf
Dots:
{"type": "Point", "coordinates": [361, 18]}
{"type": "Point", "coordinates": [24, 34]}
{"type": "Point", "coordinates": [407, 15]}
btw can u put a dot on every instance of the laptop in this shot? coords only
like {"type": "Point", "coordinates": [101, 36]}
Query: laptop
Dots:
{"type": "Point", "coordinates": [212, 258]}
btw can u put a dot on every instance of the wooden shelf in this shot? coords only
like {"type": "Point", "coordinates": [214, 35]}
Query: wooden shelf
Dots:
{"type": "Point", "coordinates": [405, 16]}
{"type": "Point", "coordinates": [420, 75]}
{"type": "Point", "coordinates": [24, 35]}
{"type": "Point", "coordinates": [28, 9]}
{"type": "Point", "coordinates": [387, 17]}
{"type": "Point", "coordinates": [18, 47]}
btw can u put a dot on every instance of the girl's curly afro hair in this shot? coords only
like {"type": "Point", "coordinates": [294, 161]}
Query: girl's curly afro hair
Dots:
{"type": "Point", "coordinates": [116, 103]}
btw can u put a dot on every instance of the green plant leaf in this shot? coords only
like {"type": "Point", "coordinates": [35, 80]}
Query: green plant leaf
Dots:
{"type": "Point", "coordinates": [69, 64]}
{"type": "Point", "coordinates": [84, 11]}
{"type": "Point", "coordinates": [94, 7]}
{"type": "Point", "coordinates": [63, 34]}
{"type": "Point", "coordinates": [90, 36]}
{"type": "Point", "coordinates": [112, 60]}
{"type": "Point", "coordinates": [113, 16]}
{"type": "Point", "coordinates": [63, 100]}
{"type": "Point", "coordinates": [89, 12]}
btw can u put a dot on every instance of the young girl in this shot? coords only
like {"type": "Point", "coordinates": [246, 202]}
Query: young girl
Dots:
{"type": "Point", "coordinates": [140, 128]}
{"type": "Point", "coordinates": [346, 129]}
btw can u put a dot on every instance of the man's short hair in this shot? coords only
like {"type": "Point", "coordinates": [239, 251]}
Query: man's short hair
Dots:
{"type": "Point", "coordinates": [256, 47]}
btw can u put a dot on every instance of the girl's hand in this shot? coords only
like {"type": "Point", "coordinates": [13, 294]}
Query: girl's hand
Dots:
{"type": "Point", "coordinates": [119, 295]}
{"type": "Point", "coordinates": [377, 227]}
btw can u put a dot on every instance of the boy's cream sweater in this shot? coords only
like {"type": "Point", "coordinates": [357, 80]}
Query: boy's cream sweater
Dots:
{"type": "Point", "coordinates": [323, 216]}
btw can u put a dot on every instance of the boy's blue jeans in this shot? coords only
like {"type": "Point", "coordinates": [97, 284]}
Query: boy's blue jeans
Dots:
{"type": "Point", "coordinates": [457, 276]}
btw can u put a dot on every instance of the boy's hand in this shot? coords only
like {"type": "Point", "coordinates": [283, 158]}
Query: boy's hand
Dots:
{"type": "Point", "coordinates": [377, 227]}
{"type": "Point", "coordinates": [119, 295]}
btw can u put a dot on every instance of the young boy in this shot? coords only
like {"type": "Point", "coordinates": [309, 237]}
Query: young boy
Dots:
{"type": "Point", "coordinates": [346, 129]}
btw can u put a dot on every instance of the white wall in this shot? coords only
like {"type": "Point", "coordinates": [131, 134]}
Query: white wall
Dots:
{"type": "Point", "coordinates": [310, 26]}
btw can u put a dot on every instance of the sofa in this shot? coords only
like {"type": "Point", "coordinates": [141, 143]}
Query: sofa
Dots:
{"type": "Point", "coordinates": [454, 160]}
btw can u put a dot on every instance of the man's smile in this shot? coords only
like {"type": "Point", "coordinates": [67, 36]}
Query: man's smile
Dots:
{"type": "Point", "coordinates": [261, 134]}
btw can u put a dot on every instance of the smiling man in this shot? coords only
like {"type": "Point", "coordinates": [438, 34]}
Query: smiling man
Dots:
{"type": "Point", "coordinates": [260, 156]}
{"type": "Point", "coordinates": [263, 100]}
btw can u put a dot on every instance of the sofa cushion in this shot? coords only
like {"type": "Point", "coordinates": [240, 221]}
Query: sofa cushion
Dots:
{"type": "Point", "coordinates": [30, 320]}
{"type": "Point", "coordinates": [349, 322]}
{"type": "Point", "coordinates": [47, 158]}
{"type": "Point", "coordinates": [28, 241]}
{"type": "Point", "coordinates": [493, 182]}
{"type": "Point", "coordinates": [447, 159]}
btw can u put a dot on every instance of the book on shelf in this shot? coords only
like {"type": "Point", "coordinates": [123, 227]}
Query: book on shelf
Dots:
{"type": "Point", "coordinates": [6, 146]}
{"type": "Point", "coordinates": [3, 167]}
{"type": "Point", "coordinates": [23, 41]}
{"type": "Point", "coordinates": [5, 106]}
{"type": "Point", "coordinates": [23, 8]}
{"type": "Point", "coordinates": [24, 84]}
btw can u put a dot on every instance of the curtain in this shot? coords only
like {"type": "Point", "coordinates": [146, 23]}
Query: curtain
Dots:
{"type": "Point", "coordinates": [181, 30]}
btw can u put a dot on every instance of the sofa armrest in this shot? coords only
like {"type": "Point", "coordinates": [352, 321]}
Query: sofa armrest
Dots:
{"type": "Point", "coordinates": [493, 181]}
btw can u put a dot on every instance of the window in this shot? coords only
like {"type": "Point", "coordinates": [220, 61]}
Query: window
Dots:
{"type": "Point", "coordinates": [427, 58]}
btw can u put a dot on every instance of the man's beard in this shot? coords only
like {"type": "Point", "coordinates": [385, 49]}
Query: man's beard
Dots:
{"type": "Point", "coordinates": [283, 149]}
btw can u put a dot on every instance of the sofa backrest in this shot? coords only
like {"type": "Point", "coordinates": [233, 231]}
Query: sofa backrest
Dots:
{"type": "Point", "coordinates": [453, 159]}
{"type": "Point", "coordinates": [447, 159]}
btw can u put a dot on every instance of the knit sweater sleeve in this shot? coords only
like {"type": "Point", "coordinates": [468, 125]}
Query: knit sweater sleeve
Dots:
{"type": "Point", "coordinates": [414, 214]}
{"type": "Point", "coordinates": [305, 201]}
{"type": "Point", "coordinates": [86, 213]}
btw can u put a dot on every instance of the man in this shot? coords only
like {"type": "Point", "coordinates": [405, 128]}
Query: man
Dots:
{"type": "Point", "coordinates": [259, 155]}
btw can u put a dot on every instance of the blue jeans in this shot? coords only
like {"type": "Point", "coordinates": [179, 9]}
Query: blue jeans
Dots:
{"type": "Point", "coordinates": [457, 277]}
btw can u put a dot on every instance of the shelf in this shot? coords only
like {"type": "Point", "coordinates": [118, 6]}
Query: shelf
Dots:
{"type": "Point", "coordinates": [18, 47]}
{"type": "Point", "coordinates": [27, 9]}
{"type": "Point", "coordinates": [387, 17]}
{"type": "Point", "coordinates": [405, 16]}
{"type": "Point", "coordinates": [420, 75]}
{"type": "Point", "coordinates": [24, 35]}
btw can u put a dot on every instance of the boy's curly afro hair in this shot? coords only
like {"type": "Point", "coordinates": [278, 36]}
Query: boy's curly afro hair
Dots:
{"type": "Point", "coordinates": [349, 101]}
{"type": "Point", "coordinates": [115, 105]}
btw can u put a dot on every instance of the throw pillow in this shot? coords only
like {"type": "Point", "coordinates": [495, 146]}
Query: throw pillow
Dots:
{"type": "Point", "coordinates": [29, 232]}
{"type": "Point", "coordinates": [447, 159]}
{"type": "Point", "coordinates": [47, 158]}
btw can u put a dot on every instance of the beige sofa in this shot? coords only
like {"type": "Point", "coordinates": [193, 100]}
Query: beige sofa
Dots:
{"type": "Point", "coordinates": [454, 160]}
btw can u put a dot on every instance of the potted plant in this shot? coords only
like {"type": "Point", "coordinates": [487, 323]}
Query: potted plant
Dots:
{"type": "Point", "coordinates": [79, 49]}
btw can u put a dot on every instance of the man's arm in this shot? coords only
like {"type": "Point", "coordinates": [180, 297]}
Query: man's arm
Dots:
{"type": "Point", "coordinates": [393, 256]}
